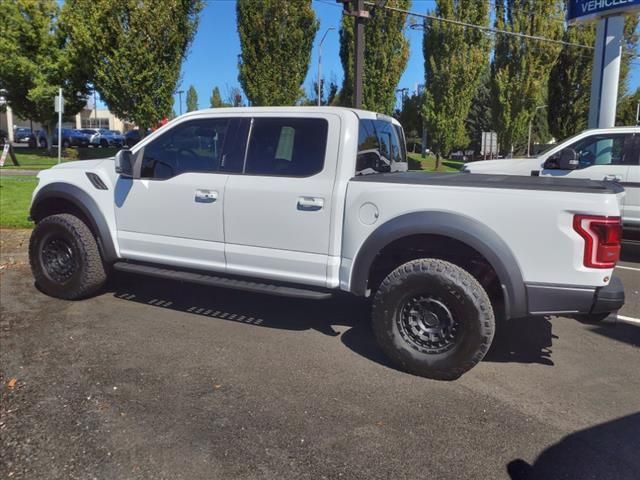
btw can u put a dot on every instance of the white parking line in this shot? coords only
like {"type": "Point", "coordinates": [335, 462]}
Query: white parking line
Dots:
{"type": "Point", "coordinates": [634, 321]}
{"type": "Point", "coordinates": [628, 268]}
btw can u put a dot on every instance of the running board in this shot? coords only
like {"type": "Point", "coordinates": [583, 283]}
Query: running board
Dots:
{"type": "Point", "coordinates": [222, 282]}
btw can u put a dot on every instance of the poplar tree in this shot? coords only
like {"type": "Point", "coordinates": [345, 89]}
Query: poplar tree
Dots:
{"type": "Point", "coordinates": [385, 57]}
{"type": "Point", "coordinates": [521, 66]}
{"type": "Point", "coordinates": [192, 99]}
{"type": "Point", "coordinates": [455, 59]}
{"type": "Point", "coordinates": [133, 51]}
{"type": "Point", "coordinates": [216, 99]}
{"type": "Point", "coordinates": [276, 37]}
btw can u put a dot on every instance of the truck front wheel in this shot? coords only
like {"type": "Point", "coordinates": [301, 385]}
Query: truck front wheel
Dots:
{"type": "Point", "coordinates": [433, 319]}
{"type": "Point", "coordinates": [65, 259]}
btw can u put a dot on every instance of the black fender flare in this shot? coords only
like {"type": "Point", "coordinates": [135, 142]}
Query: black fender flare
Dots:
{"type": "Point", "coordinates": [89, 208]}
{"type": "Point", "coordinates": [459, 227]}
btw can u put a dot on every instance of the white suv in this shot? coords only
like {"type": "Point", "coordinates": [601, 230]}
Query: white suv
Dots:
{"type": "Point", "coordinates": [611, 154]}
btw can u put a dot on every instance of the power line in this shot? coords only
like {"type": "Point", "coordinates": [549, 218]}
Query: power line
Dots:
{"type": "Point", "coordinates": [482, 27]}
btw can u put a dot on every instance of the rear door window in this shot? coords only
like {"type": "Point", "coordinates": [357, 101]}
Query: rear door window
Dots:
{"type": "Point", "coordinates": [287, 147]}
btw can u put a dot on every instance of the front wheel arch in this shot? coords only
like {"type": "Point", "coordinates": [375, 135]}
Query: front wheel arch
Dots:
{"type": "Point", "coordinates": [59, 197]}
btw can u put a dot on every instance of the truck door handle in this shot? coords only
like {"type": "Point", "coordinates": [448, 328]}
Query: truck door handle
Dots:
{"type": "Point", "coordinates": [310, 204]}
{"type": "Point", "coordinates": [206, 196]}
{"type": "Point", "coordinates": [612, 178]}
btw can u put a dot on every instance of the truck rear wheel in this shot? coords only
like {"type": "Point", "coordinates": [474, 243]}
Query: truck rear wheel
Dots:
{"type": "Point", "coordinates": [65, 259]}
{"type": "Point", "coordinates": [433, 319]}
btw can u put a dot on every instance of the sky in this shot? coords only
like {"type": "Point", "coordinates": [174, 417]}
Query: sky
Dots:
{"type": "Point", "coordinates": [213, 56]}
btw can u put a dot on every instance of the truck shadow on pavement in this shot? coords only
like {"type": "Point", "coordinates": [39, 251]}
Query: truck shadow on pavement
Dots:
{"type": "Point", "coordinates": [525, 340]}
{"type": "Point", "coordinates": [620, 332]}
{"type": "Point", "coordinates": [605, 451]}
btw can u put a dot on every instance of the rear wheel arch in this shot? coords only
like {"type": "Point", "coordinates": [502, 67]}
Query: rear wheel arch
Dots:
{"type": "Point", "coordinates": [61, 197]}
{"type": "Point", "coordinates": [465, 231]}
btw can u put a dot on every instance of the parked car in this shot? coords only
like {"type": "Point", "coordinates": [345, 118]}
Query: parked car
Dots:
{"type": "Point", "coordinates": [278, 201]}
{"type": "Point", "coordinates": [610, 154]}
{"type": "Point", "coordinates": [101, 137]}
{"type": "Point", "coordinates": [22, 135]}
{"type": "Point", "coordinates": [132, 137]}
{"type": "Point", "coordinates": [70, 138]}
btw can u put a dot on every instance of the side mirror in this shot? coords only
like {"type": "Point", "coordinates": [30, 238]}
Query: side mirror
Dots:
{"type": "Point", "coordinates": [124, 163]}
{"type": "Point", "coordinates": [568, 159]}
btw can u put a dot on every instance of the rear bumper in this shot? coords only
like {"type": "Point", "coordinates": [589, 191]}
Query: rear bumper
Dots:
{"type": "Point", "coordinates": [561, 299]}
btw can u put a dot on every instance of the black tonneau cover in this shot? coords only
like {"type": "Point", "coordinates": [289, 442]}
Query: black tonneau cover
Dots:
{"type": "Point", "coordinates": [474, 180]}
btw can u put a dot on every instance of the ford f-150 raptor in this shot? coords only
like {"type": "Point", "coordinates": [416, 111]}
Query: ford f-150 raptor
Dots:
{"type": "Point", "coordinates": [308, 201]}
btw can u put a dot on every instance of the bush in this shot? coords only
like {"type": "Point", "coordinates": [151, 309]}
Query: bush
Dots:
{"type": "Point", "coordinates": [70, 154]}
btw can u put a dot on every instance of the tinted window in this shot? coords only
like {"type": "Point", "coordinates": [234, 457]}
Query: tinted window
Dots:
{"type": "Point", "coordinates": [632, 149]}
{"type": "Point", "coordinates": [381, 148]}
{"type": "Point", "coordinates": [288, 147]}
{"type": "Point", "coordinates": [194, 146]}
{"type": "Point", "coordinates": [602, 150]}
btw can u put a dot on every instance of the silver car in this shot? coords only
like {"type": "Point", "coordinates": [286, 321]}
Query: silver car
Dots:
{"type": "Point", "coordinates": [101, 137]}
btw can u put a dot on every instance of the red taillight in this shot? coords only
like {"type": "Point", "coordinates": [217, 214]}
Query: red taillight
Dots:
{"type": "Point", "coordinates": [602, 237]}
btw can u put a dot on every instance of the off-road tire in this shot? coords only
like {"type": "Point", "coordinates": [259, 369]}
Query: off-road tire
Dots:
{"type": "Point", "coordinates": [446, 289]}
{"type": "Point", "coordinates": [65, 259]}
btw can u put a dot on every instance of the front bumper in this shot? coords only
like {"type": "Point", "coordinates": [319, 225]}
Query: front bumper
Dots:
{"type": "Point", "coordinates": [546, 299]}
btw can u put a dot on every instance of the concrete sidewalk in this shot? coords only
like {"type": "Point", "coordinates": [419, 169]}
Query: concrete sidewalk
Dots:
{"type": "Point", "coordinates": [18, 171]}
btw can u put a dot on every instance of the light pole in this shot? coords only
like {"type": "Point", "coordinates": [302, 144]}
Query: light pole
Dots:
{"type": "Point", "coordinates": [530, 122]}
{"type": "Point", "coordinates": [180, 92]}
{"type": "Point", "coordinates": [319, 64]}
{"type": "Point", "coordinates": [95, 109]}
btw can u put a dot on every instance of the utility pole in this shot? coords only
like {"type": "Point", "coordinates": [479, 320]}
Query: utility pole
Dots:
{"type": "Point", "coordinates": [358, 65]}
{"type": "Point", "coordinates": [319, 63]}
{"type": "Point", "coordinates": [355, 8]}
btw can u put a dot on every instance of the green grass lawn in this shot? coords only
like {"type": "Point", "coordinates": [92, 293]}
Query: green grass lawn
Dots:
{"type": "Point", "coordinates": [416, 162]}
{"type": "Point", "coordinates": [15, 197]}
{"type": "Point", "coordinates": [39, 158]}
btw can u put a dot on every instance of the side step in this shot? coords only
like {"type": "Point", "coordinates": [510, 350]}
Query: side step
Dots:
{"type": "Point", "coordinates": [222, 282]}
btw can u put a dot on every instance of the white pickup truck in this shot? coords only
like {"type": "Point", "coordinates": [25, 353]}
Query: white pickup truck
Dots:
{"type": "Point", "coordinates": [305, 202]}
{"type": "Point", "coordinates": [610, 154]}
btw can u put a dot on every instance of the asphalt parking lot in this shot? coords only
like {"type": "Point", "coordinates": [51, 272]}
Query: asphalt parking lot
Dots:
{"type": "Point", "coordinates": [168, 381]}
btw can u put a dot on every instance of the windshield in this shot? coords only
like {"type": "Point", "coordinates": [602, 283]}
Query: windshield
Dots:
{"type": "Point", "coordinates": [554, 145]}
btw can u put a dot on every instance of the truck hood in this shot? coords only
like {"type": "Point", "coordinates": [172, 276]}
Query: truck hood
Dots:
{"type": "Point", "coordinates": [81, 164]}
{"type": "Point", "coordinates": [507, 166]}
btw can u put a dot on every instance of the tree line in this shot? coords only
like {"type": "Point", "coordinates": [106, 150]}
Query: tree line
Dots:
{"type": "Point", "coordinates": [502, 83]}
{"type": "Point", "coordinates": [131, 53]}
{"type": "Point", "coordinates": [475, 81]}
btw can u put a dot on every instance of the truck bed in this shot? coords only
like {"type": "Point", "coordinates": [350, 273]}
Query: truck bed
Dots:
{"type": "Point", "coordinates": [575, 185]}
